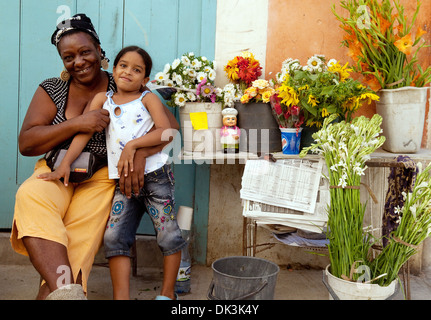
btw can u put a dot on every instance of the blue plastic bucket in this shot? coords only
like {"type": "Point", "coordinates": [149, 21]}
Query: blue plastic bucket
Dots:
{"type": "Point", "coordinates": [290, 140]}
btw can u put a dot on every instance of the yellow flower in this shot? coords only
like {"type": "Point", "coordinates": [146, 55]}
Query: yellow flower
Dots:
{"type": "Point", "coordinates": [306, 87]}
{"type": "Point", "coordinates": [251, 91]}
{"type": "Point", "coordinates": [288, 95]}
{"type": "Point", "coordinates": [370, 96]}
{"type": "Point", "coordinates": [312, 100]}
{"type": "Point", "coordinates": [342, 71]}
{"type": "Point", "coordinates": [325, 112]}
{"type": "Point", "coordinates": [245, 98]}
{"type": "Point", "coordinates": [267, 95]}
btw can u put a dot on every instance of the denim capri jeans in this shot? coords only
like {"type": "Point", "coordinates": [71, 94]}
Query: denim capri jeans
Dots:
{"type": "Point", "coordinates": [157, 198]}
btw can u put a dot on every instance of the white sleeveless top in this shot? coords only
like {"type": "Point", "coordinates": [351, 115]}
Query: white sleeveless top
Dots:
{"type": "Point", "coordinates": [134, 121]}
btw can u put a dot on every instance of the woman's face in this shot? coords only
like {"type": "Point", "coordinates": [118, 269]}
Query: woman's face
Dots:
{"type": "Point", "coordinates": [81, 57]}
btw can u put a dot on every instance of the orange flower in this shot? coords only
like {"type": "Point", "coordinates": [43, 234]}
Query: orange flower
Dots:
{"type": "Point", "coordinates": [384, 24]}
{"type": "Point", "coordinates": [405, 44]}
{"type": "Point", "coordinates": [372, 82]}
{"type": "Point", "coordinates": [420, 32]}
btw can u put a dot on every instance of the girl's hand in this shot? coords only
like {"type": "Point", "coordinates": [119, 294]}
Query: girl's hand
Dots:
{"type": "Point", "coordinates": [63, 171]}
{"type": "Point", "coordinates": [126, 160]}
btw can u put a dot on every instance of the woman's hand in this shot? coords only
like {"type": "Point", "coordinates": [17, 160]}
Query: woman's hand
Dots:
{"type": "Point", "coordinates": [93, 121]}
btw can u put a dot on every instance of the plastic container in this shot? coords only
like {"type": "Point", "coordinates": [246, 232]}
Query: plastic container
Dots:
{"type": "Point", "coordinates": [403, 114]}
{"type": "Point", "coordinates": [340, 289]}
{"type": "Point", "coordinates": [206, 140]}
{"type": "Point", "coordinates": [290, 140]}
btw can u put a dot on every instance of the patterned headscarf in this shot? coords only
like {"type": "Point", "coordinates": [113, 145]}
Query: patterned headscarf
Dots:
{"type": "Point", "coordinates": [78, 22]}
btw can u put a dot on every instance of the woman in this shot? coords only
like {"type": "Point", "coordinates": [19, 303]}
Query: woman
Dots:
{"type": "Point", "coordinates": [61, 228]}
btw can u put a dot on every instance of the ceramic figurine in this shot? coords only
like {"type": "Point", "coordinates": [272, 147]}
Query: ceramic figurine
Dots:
{"type": "Point", "coordinates": [230, 133]}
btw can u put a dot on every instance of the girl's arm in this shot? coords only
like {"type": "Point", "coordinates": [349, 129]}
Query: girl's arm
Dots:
{"type": "Point", "coordinates": [78, 144]}
{"type": "Point", "coordinates": [38, 135]}
{"type": "Point", "coordinates": [152, 138]}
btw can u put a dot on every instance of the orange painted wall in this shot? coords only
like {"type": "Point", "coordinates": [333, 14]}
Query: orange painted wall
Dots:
{"type": "Point", "coordinates": [300, 29]}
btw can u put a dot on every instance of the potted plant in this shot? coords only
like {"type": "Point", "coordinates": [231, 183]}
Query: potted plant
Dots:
{"type": "Point", "coordinates": [290, 120]}
{"type": "Point", "coordinates": [346, 147]}
{"type": "Point", "coordinates": [384, 44]}
{"type": "Point", "coordinates": [191, 80]}
{"type": "Point", "coordinates": [321, 88]}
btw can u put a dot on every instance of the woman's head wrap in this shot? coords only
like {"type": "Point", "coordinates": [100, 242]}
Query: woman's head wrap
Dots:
{"type": "Point", "coordinates": [78, 22]}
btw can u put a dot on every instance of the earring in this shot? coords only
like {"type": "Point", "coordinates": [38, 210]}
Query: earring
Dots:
{"type": "Point", "coordinates": [104, 64]}
{"type": "Point", "coordinates": [65, 75]}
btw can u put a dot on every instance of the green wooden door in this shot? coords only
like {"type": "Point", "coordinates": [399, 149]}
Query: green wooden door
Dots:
{"type": "Point", "coordinates": [165, 28]}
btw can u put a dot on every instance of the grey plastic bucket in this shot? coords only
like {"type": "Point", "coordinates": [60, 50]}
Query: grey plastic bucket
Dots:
{"type": "Point", "coordinates": [243, 278]}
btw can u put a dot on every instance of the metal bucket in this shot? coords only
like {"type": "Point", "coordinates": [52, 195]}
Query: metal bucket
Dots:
{"type": "Point", "coordinates": [243, 278]}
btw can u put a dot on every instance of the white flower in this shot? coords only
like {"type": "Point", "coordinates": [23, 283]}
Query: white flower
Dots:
{"type": "Point", "coordinates": [167, 68]}
{"type": "Point", "coordinates": [196, 64]}
{"type": "Point", "coordinates": [180, 99]}
{"type": "Point", "coordinates": [176, 63]}
{"type": "Point", "coordinates": [314, 63]}
{"type": "Point", "coordinates": [185, 61]}
{"type": "Point", "coordinates": [201, 76]}
{"type": "Point", "coordinates": [191, 73]}
{"type": "Point", "coordinates": [191, 96]}
{"type": "Point", "coordinates": [177, 79]}
{"type": "Point", "coordinates": [161, 76]}
{"type": "Point", "coordinates": [212, 75]}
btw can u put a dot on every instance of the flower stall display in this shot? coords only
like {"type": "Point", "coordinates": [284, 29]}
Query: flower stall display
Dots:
{"type": "Point", "coordinates": [385, 43]}
{"type": "Point", "coordinates": [346, 147]}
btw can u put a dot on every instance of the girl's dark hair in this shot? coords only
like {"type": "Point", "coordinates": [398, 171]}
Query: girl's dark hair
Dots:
{"type": "Point", "coordinates": [144, 54]}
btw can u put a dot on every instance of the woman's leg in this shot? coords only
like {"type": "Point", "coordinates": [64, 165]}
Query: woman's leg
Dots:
{"type": "Point", "coordinates": [38, 229]}
{"type": "Point", "coordinates": [49, 259]}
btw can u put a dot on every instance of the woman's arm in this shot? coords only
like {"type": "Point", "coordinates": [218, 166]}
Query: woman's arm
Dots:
{"type": "Point", "coordinates": [77, 145]}
{"type": "Point", "coordinates": [38, 135]}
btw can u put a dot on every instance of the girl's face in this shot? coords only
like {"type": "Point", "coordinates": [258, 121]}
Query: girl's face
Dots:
{"type": "Point", "coordinates": [129, 73]}
{"type": "Point", "coordinates": [80, 56]}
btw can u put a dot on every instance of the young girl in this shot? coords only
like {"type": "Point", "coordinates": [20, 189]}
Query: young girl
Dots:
{"type": "Point", "coordinates": [137, 119]}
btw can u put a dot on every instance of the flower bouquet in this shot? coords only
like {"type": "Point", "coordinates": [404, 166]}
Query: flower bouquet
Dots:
{"type": "Point", "coordinates": [321, 88]}
{"type": "Point", "coordinates": [384, 44]}
{"type": "Point", "coordinates": [287, 116]}
{"type": "Point", "coordinates": [191, 78]}
{"type": "Point", "coordinates": [243, 70]}
{"type": "Point", "coordinates": [259, 91]}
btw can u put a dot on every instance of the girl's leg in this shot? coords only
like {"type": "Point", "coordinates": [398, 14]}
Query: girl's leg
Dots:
{"type": "Point", "coordinates": [171, 264]}
{"type": "Point", "coordinates": [119, 267]}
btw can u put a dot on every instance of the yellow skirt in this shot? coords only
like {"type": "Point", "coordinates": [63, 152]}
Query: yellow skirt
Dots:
{"type": "Point", "coordinates": [74, 216]}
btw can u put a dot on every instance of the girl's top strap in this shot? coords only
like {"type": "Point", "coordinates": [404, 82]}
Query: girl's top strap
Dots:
{"type": "Point", "coordinates": [110, 93]}
{"type": "Point", "coordinates": [144, 94]}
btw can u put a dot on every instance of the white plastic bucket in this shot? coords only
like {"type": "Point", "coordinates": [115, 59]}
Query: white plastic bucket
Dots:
{"type": "Point", "coordinates": [403, 114]}
{"type": "Point", "coordinates": [201, 140]}
{"type": "Point", "coordinates": [347, 290]}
